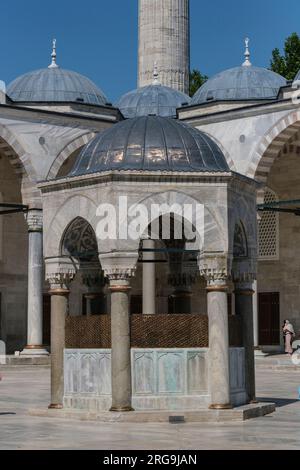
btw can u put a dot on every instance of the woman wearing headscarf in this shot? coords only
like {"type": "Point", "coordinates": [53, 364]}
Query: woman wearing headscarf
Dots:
{"type": "Point", "coordinates": [289, 333]}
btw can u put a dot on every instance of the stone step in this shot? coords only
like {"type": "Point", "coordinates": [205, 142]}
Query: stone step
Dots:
{"type": "Point", "coordinates": [11, 360]}
{"type": "Point", "coordinates": [241, 413]}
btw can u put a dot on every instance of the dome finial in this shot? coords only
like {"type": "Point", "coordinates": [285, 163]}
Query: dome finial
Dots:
{"type": "Point", "coordinates": [155, 75]}
{"type": "Point", "coordinates": [53, 64]}
{"type": "Point", "coordinates": [247, 62]}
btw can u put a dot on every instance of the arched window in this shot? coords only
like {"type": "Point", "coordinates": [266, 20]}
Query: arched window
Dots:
{"type": "Point", "coordinates": [268, 230]}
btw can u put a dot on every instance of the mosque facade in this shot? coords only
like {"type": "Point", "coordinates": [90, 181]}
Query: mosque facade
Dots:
{"type": "Point", "coordinates": [233, 148]}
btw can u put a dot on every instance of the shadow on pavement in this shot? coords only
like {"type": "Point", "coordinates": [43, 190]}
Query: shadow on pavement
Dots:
{"type": "Point", "coordinates": [279, 402]}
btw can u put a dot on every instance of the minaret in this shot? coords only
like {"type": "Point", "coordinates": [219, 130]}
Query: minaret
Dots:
{"type": "Point", "coordinates": [164, 39]}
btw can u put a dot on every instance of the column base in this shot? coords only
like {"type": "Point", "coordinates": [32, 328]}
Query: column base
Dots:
{"type": "Point", "coordinates": [253, 402]}
{"type": "Point", "coordinates": [259, 353]}
{"type": "Point", "coordinates": [221, 407]}
{"type": "Point", "coordinates": [54, 406]}
{"type": "Point", "coordinates": [32, 350]}
{"type": "Point", "coordinates": [121, 409]}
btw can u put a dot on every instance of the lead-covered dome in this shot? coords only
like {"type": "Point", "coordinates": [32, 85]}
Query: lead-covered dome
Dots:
{"type": "Point", "coordinates": [55, 85]}
{"type": "Point", "coordinates": [155, 99]}
{"type": "Point", "coordinates": [240, 83]}
{"type": "Point", "coordinates": [150, 143]}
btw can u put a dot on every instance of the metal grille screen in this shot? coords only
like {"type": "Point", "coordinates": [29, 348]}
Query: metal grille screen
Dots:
{"type": "Point", "coordinates": [147, 331]}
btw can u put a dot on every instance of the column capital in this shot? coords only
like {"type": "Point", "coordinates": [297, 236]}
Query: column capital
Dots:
{"type": "Point", "coordinates": [214, 268]}
{"type": "Point", "coordinates": [119, 266]}
{"type": "Point", "coordinates": [59, 273]}
{"type": "Point", "coordinates": [92, 277]}
{"type": "Point", "coordinates": [34, 219]}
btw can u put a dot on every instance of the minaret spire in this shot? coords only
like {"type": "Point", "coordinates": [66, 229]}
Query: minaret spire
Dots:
{"type": "Point", "coordinates": [53, 64]}
{"type": "Point", "coordinates": [247, 62]}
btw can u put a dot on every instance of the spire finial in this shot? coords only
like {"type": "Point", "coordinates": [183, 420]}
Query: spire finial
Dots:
{"type": "Point", "coordinates": [53, 64]}
{"type": "Point", "coordinates": [247, 62]}
{"type": "Point", "coordinates": [155, 75]}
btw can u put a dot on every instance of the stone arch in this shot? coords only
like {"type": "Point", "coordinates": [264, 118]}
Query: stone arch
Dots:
{"type": "Point", "coordinates": [79, 241]}
{"type": "Point", "coordinates": [271, 145]}
{"type": "Point", "coordinates": [22, 165]}
{"type": "Point", "coordinates": [74, 207]}
{"type": "Point", "coordinates": [216, 232]}
{"type": "Point", "coordinates": [68, 151]}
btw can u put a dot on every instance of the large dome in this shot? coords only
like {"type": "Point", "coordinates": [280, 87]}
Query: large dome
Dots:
{"type": "Point", "coordinates": [153, 99]}
{"type": "Point", "coordinates": [57, 85]}
{"type": "Point", "coordinates": [240, 83]}
{"type": "Point", "coordinates": [150, 143]}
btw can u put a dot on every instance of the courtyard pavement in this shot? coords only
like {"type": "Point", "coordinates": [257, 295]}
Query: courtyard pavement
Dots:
{"type": "Point", "coordinates": [24, 387]}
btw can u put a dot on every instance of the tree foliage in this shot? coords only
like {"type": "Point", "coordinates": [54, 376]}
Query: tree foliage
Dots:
{"type": "Point", "coordinates": [196, 81]}
{"type": "Point", "coordinates": [288, 63]}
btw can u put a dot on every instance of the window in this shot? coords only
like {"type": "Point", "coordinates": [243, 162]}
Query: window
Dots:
{"type": "Point", "coordinates": [268, 231]}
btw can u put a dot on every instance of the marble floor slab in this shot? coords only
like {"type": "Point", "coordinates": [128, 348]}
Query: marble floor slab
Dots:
{"type": "Point", "coordinates": [24, 387]}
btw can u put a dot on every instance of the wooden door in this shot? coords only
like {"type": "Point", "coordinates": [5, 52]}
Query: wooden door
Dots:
{"type": "Point", "coordinates": [46, 319]}
{"type": "Point", "coordinates": [269, 319]}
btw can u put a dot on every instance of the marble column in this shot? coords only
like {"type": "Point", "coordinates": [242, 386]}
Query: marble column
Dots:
{"type": "Point", "coordinates": [149, 297]}
{"type": "Point", "coordinates": [244, 308]}
{"type": "Point", "coordinates": [120, 346]}
{"type": "Point", "coordinates": [217, 309]}
{"type": "Point", "coordinates": [35, 285]}
{"type": "Point", "coordinates": [59, 277]}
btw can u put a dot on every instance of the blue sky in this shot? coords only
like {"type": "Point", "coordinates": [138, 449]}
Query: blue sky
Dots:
{"type": "Point", "coordinates": [99, 37]}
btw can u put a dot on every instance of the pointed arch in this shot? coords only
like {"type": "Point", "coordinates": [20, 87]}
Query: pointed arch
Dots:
{"type": "Point", "coordinates": [21, 162]}
{"type": "Point", "coordinates": [275, 141]}
{"type": "Point", "coordinates": [68, 150]}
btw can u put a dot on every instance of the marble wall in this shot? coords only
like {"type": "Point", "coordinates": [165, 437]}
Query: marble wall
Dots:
{"type": "Point", "coordinates": [161, 379]}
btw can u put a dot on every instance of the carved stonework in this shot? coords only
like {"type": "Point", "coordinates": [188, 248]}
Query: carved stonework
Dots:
{"type": "Point", "coordinates": [34, 219]}
{"type": "Point", "coordinates": [119, 266]}
{"type": "Point", "coordinates": [80, 240]}
{"type": "Point", "coordinates": [240, 246]}
{"type": "Point", "coordinates": [182, 279]}
{"type": "Point", "coordinates": [60, 272]}
{"type": "Point", "coordinates": [116, 274]}
{"type": "Point", "coordinates": [214, 268]}
{"type": "Point", "coordinates": [93, 278]}
{"type": "Point", "coordinates": [244, 270]}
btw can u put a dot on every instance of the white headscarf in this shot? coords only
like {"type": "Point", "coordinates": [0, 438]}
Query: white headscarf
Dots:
{"type": "Point", "coordinates": [289, 327]}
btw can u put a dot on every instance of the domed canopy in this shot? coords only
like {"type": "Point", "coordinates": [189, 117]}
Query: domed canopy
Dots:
{"type": "Point", "coordinates": [240, 83]}
{"type": "Point", "coordinates": [150, 143]}
{"type": "Point", "coordinates": [54, 84]}
{"type": "Point", "coordinates": [155, 99]}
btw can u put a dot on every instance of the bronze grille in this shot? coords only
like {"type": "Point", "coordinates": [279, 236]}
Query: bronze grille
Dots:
{"type": "Point", "coordinates": [147, 331]}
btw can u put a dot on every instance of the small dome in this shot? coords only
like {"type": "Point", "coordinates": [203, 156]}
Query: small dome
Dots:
{"type": "Point", "coordinates": [150, 143]}
{"type": "Point", "coordinates": [240, 83]}
{"type": "Point", "coordinates": [155, 99]}
{"type": "Point", "coordinates": [56, 85]}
